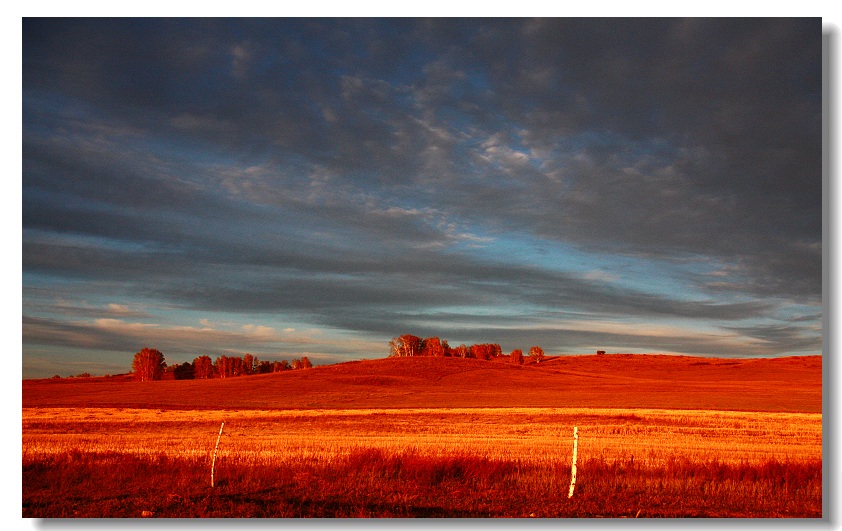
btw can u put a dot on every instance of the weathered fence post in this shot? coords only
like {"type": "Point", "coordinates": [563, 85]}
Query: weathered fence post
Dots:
{"type": "Point", "coordinates": [573, 467]}
{"type": "Point", "coordinates": [213, 461]}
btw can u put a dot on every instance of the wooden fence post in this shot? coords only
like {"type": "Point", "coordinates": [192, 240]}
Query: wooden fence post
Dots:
{"type": "Point", "coordinates": [573, 467]}
{"type": "Point", "coordinates": [213, 461]}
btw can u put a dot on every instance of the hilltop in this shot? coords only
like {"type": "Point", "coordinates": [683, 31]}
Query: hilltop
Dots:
{"type": "Point", "coordinates": [618, 380]}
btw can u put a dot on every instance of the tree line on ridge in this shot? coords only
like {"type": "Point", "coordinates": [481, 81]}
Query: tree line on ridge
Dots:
{"type": "Point", "coordinates": [149, 364]}
{"type": "Point", "coordinates": [410, 345]}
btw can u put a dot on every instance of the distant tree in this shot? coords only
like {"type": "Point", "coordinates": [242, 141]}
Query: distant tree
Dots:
{"type": "Point", "coordinates": [148, 364]}
{"type": "Point", "coordinates": [202, 368]}
{"type": "Point", "coordinates": [236, 366]}
{"type": "Point", "coordinates": [536, 353]}
{"type": "Point", "coordinates": [446, 348]}
{"type": "Point", "coordinates": [405, 345]}
{"type": "Point", "coordinates": [278, 366]}
{"type": "Point", "coordinates": [183, 371]}
{"type": "Point", "coordinates": [249, 364]}
{"type": "Point", "coordinates": [305, 363]}
{"type": "Point", "coordinates": [478, 352]}
{"type": "Point", "coordinates": [432, 346]}
{"type": "Point", "coordinates": [264, 367]}
{"type": "Point", "coordinates": [224, 367]}
{"type": "Point", "coordinates": [516, 357]}
{"type": "Point", "coordinates": [461, 351]}
{"type": "Point", "coordinates": [485, 351]}
{"type": "Point", "coordinates": [296, 364]}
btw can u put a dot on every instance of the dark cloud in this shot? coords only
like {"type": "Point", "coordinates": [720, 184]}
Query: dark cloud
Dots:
{"type": "Point", "coordinates": [682, 136]}
{"type": "Point", "coordinates": [786, 336]}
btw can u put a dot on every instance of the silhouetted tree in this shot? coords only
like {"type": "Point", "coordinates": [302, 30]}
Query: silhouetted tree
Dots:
{"type": "Point", "coordinates": [148, 364]}
{"type": "Point", "coordinates": [264, 367]}
{"type": "Point", "coordinates": [183, 371]}
{"type": "Point", "coordinates": [516, 356]}
{"type": "Point", "coordinates": [305, 363]}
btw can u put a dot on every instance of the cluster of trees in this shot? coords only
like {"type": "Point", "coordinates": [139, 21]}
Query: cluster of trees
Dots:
{"type": "Point", "coordinates": [149, 364]}
{"type": "Point", "coordinates": [410, 345]}
{"type": "Point", "coordinates": [230, 366]}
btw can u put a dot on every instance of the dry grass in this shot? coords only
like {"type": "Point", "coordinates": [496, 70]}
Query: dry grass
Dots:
{"type": "Point", "coordinates": [491, 454]}
{"type": "Point", "coordinates": [524, 433]}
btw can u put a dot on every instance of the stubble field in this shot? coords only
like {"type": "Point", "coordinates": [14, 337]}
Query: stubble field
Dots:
{"type": "Point", "coordinates": [352, 461]}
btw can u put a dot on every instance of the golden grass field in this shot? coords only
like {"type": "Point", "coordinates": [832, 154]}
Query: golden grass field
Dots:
{"type": "Point", "coordinates": [532, 434]}
{"type": "Point", "coordinates": [507, 460]}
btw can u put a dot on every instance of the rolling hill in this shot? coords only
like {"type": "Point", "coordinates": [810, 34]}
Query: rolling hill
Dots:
{"type": "Point", "coordinates": [611, 381]}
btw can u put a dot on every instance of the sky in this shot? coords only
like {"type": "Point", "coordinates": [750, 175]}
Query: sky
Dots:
{"type": "Point", "coordinates": [315, 187]}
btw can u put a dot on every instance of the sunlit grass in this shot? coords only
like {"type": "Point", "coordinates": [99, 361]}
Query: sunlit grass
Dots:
{"type": "Point", "coordinates": [421, 462]}
{"type": "Point", "coordinates": [540, 434]}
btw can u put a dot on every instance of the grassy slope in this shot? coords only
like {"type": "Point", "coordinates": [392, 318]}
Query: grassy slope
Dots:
{"type": "Point", "coordinates": [621, 381]}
